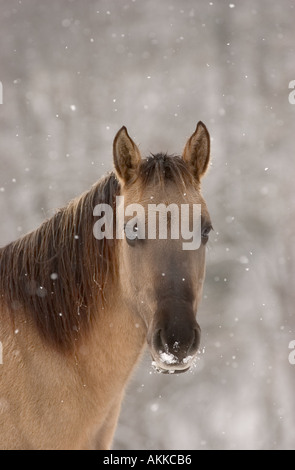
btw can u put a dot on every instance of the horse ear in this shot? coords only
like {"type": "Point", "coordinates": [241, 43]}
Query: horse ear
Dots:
{"type": "Point", "coordinates": [197, 151]}
{"type": "Point", "coordinates": [126, 155]}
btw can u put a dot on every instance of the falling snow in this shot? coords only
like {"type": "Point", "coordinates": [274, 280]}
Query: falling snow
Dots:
{"type": "Point", "coordinates": [159, 68]}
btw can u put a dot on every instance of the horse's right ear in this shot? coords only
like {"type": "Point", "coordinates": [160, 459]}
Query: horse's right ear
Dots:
{"type": "Point", "coordinates": [126, 156]}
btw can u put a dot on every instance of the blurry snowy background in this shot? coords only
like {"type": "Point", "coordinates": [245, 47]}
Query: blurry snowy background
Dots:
{"type": "Point", "coordinates": [73, 72]}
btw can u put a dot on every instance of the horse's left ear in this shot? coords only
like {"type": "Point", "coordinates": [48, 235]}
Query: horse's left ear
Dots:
{"type": "Point", "coordinates": [197, 151]}
{"type": "Point", "coordinates": [126, 156]}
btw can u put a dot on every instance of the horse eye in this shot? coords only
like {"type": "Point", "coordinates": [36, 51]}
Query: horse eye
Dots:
{"type": "Point", "coordinates": [131, 234]}
{"type": "Point", "coordinates": [205, 232]}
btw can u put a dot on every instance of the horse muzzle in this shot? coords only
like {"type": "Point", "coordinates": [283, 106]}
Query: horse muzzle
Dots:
{"type": "Point", "coordinates": [174, 338]}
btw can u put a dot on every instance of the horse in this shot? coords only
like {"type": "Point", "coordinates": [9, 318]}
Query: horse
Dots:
{"type": "Point", "coordinates": [77, 310]}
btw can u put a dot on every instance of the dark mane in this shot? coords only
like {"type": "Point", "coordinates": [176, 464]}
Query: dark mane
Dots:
{"type": "Point", "coordinates": [58, 272]}
{"type": "Point", "coordinates": [161, 167]}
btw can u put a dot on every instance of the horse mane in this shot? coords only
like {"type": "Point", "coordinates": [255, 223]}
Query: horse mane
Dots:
{"type": "Point", "coordinates": [57, 274]}
{"type": "Point", "coordinates": [161, 167]}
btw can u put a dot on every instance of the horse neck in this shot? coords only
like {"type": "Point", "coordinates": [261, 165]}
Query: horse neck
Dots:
{"type": "Point", "coordinates": [111, 349]}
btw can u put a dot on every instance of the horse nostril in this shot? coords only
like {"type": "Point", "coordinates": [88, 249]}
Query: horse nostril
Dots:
{"type": "Point", "coordinates": [195, 341]}
{"type": "Point", "coordinates": [162, 344]}
{"type": "Point", "coordinates": [158, 340]}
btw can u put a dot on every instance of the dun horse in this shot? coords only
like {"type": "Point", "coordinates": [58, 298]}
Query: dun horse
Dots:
{"type": "Point", "coordinates": [75, 311]}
